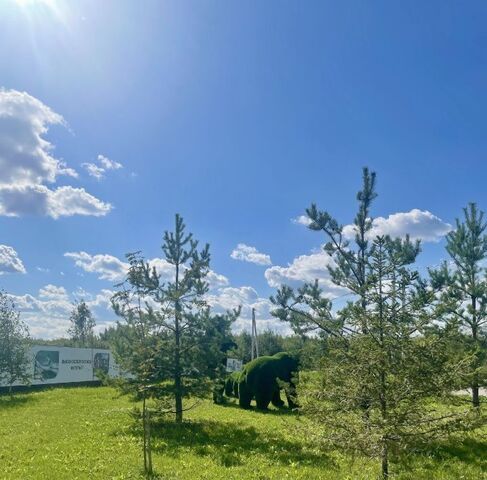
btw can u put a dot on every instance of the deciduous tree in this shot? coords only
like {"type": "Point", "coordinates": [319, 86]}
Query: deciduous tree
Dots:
{"type": "Point", "coordinates": [82, 324]}
{"type": "Point", "coordinates": [14, 337]}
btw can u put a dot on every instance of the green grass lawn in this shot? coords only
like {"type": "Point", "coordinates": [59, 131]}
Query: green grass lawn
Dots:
{"type": "Point", "coordinates": [87, 433]}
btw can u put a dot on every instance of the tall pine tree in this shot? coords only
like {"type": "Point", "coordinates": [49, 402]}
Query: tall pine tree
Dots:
{"type": "Point", "coordinates": [380, 371]}
{"type": "Point", "coordinates": [174, 323]}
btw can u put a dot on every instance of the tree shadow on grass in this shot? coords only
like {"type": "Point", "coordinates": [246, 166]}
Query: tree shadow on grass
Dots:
{"type": "Point", "coordinates": [230, 444]}
{"type": "Point", "coordinates": [18, 400]}
{"type": "Point", "coordinates": [281, 411]}
{"type": "Point", "coordinates": [470, 451]}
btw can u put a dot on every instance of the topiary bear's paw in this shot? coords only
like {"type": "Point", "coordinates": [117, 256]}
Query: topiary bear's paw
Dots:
{"type": "Point", "coordinates": [276, 399]}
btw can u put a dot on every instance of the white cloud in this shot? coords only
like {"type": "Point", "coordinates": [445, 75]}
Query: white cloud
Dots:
{"type": "Point", "coordinates": [47, 313]}
{"type": "Point", "coordinates": [246, 253]}
{"type": "Point", "coordinates": [216, 280]}
{"type": "Point", "coordinates": [19, 200]}
{"type": "Point", "coordinates": [301, 220]}
{"type": "Point", "coordinates": [419, 224]}
{"type": "Point", "coordinates": [305, 268]}
{"type": "Point", "coordinates": [104, 164]}
{"type": "Point", "coordinates": [163, 268]}
{"type": "Point", "coordinates": [27, 163]}
{"type": "Point", "coordinates": [51, 292]}
{"type": "Point", "coordinates": [229, 298]}
{"type": "Point", "coordinates": [108, 164]}
{"type": "Point", "coordinates": [113, 269]}
{"type": "Point", "coordinates": [107, 267]}
{"type": "Point", "coordinates": [94, 170]}
{"type": "Point", "coordinates": [10, 261]}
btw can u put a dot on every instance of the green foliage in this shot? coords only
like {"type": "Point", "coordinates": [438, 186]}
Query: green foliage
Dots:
{"type": "Point", "coordinates": [14, 342]}
{"type": "Point", "coordinates": [464, 291]}
{"type": "Point", "coordinates": [169, 340]}
{"type": "Point", "coordinates": [231, 384]}
{"type": "Point", "coordinates": [242, 347]}
{"type": "Point", "coordinates": [269, 344]}
{"type": "Point", "coordinates": [383, 362]}
{"type": "Point", "coordinates": [309, 350]}
{"type": "Point", "coordinates": [259, 379]}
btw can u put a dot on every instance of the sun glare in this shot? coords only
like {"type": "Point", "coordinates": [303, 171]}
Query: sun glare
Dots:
{"type": "Point", "coordinates": [35, 2]}
{"type": "Point", "coordinates": [32, 4]}
{"type": "Point", "coordinates": [35, 10]}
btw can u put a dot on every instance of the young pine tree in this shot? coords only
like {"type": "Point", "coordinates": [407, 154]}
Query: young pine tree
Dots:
{"type": "Point", "coordinates": [464, 283]}
{"type": "Point", "coordinates": [374, 389]}
{"type": "Point", "coordinates": [178, 353]}
{"type": "Point", "coordinates": [136, 343]}
{"type": "Point", "coordinates": [14, 337]}
{"type": "Point", "coordinates": [183, 306]}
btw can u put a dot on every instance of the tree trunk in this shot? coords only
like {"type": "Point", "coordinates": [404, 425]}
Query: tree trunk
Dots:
{"type": "Point", "coordinates": [475, 377]}
{"type": "Point", "coordinates": [177, 378]}
{"type": "Point", "coordinates": [144, 430]}
{"type": "Point", "coordinates": [149, 444]}
{"type": "Point", "coordinates": [385, 462]}
{"type": "Point", "coordinates": [178, 395]}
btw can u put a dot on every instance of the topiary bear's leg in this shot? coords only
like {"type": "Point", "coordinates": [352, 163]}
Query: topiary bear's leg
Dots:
{"type": "Point", "coordinates": [228, 387]}
{"type": "Point", "coordinates": [276, 398]}
{"type": "Point", "coordinates": [262, 399]}
{"type": "Point", "coordinates": [291, 396]}
{"type": "Point", "coordinates": [244, 395]}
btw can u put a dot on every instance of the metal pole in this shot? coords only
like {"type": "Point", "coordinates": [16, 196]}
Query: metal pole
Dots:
{"type": "Point", "coordinates": [255, 344]}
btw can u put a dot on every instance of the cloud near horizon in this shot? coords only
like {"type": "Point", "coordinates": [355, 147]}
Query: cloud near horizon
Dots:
{"type": "Point", "coordinates": [27, 163]}
{"type": "Point", "coordinates": [229, 298]}
{"type": "Point", "coordinates": [221, 297]}
{"type": "Point", "coordinates": [47, 313]}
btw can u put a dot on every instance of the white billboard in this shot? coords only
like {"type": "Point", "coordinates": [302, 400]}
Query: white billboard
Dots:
{"type": "Point", "coordinates": [50, 365]}
{"type": "Point", "coordinates": [234, 365]}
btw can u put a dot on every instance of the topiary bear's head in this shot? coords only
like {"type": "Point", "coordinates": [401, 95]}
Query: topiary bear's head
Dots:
{"type": "Point", "coordinates": [288, 366]}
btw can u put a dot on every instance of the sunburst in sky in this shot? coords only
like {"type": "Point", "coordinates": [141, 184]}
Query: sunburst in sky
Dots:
{"type": "Point", "coordinates": [116, 114]}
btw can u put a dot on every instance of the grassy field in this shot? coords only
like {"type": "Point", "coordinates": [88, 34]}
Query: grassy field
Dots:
{"type": "Point", "coordinates": [87, 433]}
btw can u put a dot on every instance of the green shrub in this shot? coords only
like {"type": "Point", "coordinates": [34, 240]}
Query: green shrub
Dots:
{"type": "Point", "coordinates": [231, 385]}
{"type": "Point", "coordinates": [260, 378]}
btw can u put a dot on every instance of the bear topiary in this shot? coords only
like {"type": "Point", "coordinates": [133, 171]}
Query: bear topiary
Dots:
{"type": "Point", "coordinates": [231, 385]}
{"type": "Point", "coordinates": [259, 380]}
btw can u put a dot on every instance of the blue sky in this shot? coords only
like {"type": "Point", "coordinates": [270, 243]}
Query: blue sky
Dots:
{"type": "Point", "coordinates": [237, 115]}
